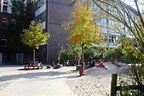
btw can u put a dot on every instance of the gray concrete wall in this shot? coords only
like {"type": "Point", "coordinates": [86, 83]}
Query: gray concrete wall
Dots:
{"type": "Point", "coordinates": [59, 12]}
{"type": "Point", "coordinates": [19, 58]}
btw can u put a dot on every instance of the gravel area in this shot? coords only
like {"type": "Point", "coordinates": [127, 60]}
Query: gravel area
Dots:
{"type": "Point", "coordinates": [95, 82]}
{"type": "Point", "coordinates": [90, 86]}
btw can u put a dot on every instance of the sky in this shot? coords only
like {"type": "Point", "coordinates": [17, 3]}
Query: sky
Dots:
{"type": "Point", "coordinates": [131, 2]}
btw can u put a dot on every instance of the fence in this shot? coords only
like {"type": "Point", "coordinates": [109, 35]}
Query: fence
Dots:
{"type": "Point", "coordinates": [115, 88]}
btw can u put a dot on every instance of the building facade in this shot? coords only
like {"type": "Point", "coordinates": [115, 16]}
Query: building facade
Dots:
{"type": "Point", "coordinates": [12, 22]}
{"type": "Point", "coordinates": [52, 13]}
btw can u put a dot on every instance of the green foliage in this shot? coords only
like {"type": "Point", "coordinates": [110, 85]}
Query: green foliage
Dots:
{"type": "Point", "coordinates": [33, 1]}
{"type": "Point", "coordinates": [108, 53]}
{"type": "Point", "coordinates": [91, 52]}
{"type": "Point", "coordinates": [22, 13]}
{"type": "Point", "coordinates": [69, 53]}
{"type": "Point", "coordinates": [135, 57]}
{"type": "Point", "coordinates": [131, 52]}
{"type": "Point", "coordinates": [84, 31]}
{"type": "Point", "coordinates": [132, 48]}
{"type": "Point", "coordinates": [18, 7]}
{"type": "Point", "coordinates": [34, 36]}
{"type": "Point", "coordinates": [13, 29]}
{"type": "Point", "coordinates": [137, 73]}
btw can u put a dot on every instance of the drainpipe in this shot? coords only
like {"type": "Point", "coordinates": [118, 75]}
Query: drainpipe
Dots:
{"type": "Point", "coordinates": [47, 27]}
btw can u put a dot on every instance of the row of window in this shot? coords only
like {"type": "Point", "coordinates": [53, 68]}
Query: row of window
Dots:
{"type": "Point", "coordinates": [112, 38]}
{"type": "Point", "coordinates": [4, 41]}
{"type": "Point", "coordinates": [7, 6]}
{"type": "Point", "coordinates": [5, 20]}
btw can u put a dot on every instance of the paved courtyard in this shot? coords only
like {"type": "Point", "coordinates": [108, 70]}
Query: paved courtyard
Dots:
{"type": "Point", "coordinates": [14, 81]}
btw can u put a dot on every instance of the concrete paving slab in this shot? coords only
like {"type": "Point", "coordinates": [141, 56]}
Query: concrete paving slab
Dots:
{"type": "Point", "coordinates": [43, 82]}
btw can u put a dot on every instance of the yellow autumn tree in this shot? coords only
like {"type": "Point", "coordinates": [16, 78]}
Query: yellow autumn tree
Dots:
{"type": "Point", "coordinates": [84, 31]}
{"type": "Point", "coordinates": [34, 36]}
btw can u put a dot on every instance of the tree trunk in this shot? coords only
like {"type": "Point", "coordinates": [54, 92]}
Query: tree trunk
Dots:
{"type": "Point", "coordinates": [33, 55]}
{"type": "Point", "coordinates": [83, 53]}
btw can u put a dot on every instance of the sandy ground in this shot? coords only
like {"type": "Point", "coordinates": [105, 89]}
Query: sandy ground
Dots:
{"type": "Point", "coordinates": [56, 82]}
{"type": "Point", "coordinates": [96, 81]}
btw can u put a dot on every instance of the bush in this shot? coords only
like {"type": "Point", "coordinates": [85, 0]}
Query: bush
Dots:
{"type": "Point", "coordinates": [70, 52]}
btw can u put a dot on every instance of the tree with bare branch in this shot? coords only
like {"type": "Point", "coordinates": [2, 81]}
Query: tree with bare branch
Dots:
{"type": "Point", "coordinates": [132, 18]}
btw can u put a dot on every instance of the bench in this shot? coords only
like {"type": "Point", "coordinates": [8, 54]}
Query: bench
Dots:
{"type": "Point", "coordinates": [33, 65]}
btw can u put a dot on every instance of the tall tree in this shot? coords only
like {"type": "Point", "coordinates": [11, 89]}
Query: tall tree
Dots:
{"type": "Point", "coordinates": [13, 28]}
{"type": "Point", "coordinates": [34, 36]}
{"type": "Point", "coordinates": [83, 29]}
{"type": "Point", "coordinates": [22, 11]}
{"type": "Point", "coordinates": [33, 0]}
{"type": "Point", "coordinates": [131, 16]}
{"type": "Point", "coordinates": [21, 19]}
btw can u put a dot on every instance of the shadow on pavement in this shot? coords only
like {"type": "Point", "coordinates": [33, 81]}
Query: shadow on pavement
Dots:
{"type": "Point", "coordinates": [30, 75]}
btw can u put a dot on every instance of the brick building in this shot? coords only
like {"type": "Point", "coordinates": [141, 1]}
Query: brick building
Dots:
{"type": "Point", "coordinates": [53, 13]}
{"type": "Point", "coordinates": [9, 21]}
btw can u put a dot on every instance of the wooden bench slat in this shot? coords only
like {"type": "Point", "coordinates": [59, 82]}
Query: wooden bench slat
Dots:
{"type": "Point", "coordinates": [33, 65]}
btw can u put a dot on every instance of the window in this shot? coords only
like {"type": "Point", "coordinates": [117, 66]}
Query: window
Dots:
{"type": "Point", "coordinates": [13, 21]}
{"type": "Point", "coordinates": [4, 8]}
{"type": "Point", "coordinates": [113, 38]}
{"type": "Point", "coordinates": [4, 20]}
{"type": "Point", "coordinates": [4, 41]}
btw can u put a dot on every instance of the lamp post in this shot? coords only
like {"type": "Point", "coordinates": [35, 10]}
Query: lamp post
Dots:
{"type": "Point", "coordinates": [61, 46]}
